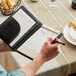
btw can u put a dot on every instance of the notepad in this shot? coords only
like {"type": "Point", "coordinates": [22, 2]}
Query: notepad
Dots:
{"type": "Point", "coordinates": [25, 22]}
{"type": "Point", "coordinates": [33, 45]}
{"type": "Point", "coordinates": [24, 33]}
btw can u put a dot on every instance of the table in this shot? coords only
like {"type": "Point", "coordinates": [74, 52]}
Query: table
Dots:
{"type": "Point", "coordinates": [65, 63]}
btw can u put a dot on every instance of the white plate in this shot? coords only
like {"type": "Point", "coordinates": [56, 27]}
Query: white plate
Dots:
{"type": "Point", "coordinates": [72, 33]}
{"type": "Point", "coordinates": [66, 33]}
{"type": "Point", "coordinates": [0, 1]}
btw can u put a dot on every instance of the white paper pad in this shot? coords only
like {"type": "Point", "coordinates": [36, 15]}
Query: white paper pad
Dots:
{"type": "Point", "coordinates": [35, 42]}
{"type": "Point", "coordinates": [25, 21]}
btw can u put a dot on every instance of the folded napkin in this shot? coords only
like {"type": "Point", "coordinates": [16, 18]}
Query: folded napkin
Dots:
{"type": "Point", "coordinates": [73, 24]}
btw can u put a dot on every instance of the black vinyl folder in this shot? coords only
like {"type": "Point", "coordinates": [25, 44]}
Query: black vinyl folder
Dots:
{"type": "Point", "coordinates": [20, 26]}
{"type": "Point", "coordinates": [8, 30]}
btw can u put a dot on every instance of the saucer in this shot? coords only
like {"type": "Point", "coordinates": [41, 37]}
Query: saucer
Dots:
{"type": "Point", "coordinates": [68, 34]}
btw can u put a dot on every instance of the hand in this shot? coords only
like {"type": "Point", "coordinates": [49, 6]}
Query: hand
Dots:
{"type": "Point", "coordinates": [48, 50]}
{"type": "Point", "coordinates": [4, 47]}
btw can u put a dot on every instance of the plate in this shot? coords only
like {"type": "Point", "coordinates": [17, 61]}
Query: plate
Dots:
{"type": "Point", "coordinates": [68, 36]}
{"type": "Point", "coordinates": [72, 33]}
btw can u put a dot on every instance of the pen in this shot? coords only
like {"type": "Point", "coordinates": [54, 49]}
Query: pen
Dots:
{"type": "Point", "coordinates": [55, 41]}
{"type": "Point", "coordinates": [59, 36]}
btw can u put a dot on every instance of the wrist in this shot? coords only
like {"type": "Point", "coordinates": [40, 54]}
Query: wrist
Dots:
{"type": "Point", "coordinates": [40, 59]}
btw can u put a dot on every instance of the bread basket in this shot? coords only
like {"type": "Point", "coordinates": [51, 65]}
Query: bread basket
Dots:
{"type": "Point", "coordinates": [11, 10]}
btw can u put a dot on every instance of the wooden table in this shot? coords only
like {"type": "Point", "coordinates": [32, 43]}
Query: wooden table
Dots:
{"type": "Point", "coordinates": [65, 63]}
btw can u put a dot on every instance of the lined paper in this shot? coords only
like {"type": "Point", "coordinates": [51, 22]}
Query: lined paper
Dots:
{"type": "Point", "coordinates": [25, 22]}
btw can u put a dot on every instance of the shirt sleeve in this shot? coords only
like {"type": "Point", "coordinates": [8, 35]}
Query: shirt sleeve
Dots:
{"type": "Point", "coordinates": [3, 72]}
{"type": "Point", "coordinates": [16, 73]}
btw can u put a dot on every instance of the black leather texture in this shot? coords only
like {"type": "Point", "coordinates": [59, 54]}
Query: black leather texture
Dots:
{"type": "Point", "coordinates": [9, 30]}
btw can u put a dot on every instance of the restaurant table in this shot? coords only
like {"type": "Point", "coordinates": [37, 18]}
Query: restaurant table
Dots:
{"type": "Point", "coordinates": [57, 18]}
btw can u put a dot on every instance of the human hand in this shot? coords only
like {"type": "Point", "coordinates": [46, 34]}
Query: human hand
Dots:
{"type": "Point", "coordinates": [48, 50]}
{"type": "Point", "coordinates": [4, 47]}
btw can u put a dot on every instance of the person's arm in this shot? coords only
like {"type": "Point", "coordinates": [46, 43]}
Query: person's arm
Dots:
{"type": "Point", "coordinates": [48, 51]}
{"type": "Point", "coordinates": [4, 47]}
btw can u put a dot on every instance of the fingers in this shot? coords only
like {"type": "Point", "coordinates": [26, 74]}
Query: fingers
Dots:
{"type": "Point", "coordinates": [55, 41]}
{"type": "Point", "coordinates": [50, 40]}
{"type": "Point", "coordinates": [55, 50]}
{"type": "Point", "coordinates": [54, 46]}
